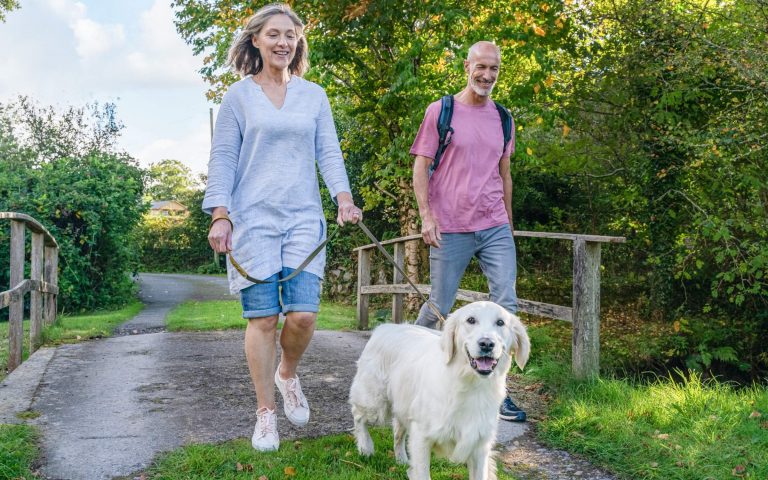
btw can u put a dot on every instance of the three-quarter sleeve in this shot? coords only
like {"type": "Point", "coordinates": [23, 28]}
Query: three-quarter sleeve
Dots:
{"type": "Point", "coordinates": [328, 151]}
{"type": "Point", "coordinates": [225, 154]}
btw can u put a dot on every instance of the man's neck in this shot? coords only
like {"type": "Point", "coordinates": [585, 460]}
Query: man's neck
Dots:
{"type": "Point", "coordinates": [469, 97]}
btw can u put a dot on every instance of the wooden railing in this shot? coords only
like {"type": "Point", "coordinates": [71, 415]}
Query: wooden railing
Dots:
{"type": "Point", "coordinates": [42, 283]}
{"type": "Point", "coordinates": [584, 312]}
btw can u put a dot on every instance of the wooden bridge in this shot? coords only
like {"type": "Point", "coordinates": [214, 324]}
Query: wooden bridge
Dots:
{"type": "Point", "coordinates": [42, 284]}
{"type": "Point", "coordinates": [584, 313]}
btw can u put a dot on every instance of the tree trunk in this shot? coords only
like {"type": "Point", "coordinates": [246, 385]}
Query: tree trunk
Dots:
{"type": "Point", "coordinates": [410, 225]}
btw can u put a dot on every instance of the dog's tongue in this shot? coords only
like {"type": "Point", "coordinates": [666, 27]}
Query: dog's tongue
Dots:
{"type": "Point", "coordinates": [485, 363]}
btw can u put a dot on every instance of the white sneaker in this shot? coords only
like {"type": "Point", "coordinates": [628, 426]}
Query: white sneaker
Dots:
{"type": "Point", "coordinates": [294, 402]}
{"type": "Point", "coordinates": [265, 438]}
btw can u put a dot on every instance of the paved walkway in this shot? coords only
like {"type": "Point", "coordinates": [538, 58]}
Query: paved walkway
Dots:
{"type": "Point", "coordinates": [109, 406]}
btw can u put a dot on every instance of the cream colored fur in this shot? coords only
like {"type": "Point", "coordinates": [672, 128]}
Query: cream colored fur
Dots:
{"type": "Point", "coordinates": [424, 383]}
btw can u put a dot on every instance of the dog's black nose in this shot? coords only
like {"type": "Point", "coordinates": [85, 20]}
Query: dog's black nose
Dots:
{"type": "Point", "coordinates": [486, 344]}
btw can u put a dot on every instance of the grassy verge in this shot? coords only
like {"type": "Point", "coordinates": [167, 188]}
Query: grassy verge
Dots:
{"type": "Point", "coordinates": [18, 450]}
{"type": "Point", "coordinates": [330, 458]}
{"type": "Point", "coordinates": [70, 328]}
{"type": "Point", "coordinates": [666, 428]}
{"type": "Point", "coordinates": [227, 314]}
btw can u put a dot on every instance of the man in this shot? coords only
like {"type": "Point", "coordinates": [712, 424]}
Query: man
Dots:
{"type": "Point", "coordinates": [466, 203]}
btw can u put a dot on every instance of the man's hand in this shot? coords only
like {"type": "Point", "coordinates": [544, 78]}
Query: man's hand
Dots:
{"type": "Point", "coordinates": [348, 212]}
{"type": "Point", "coordinates": [430, 231]}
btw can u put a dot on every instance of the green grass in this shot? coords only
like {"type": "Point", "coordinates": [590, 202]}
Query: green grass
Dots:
{"type": "Point", "coordinates": [199, 316]}
{"type": "Point", "coordinates": [329, 458]}
{"type": "Point", "coordinates": [18, 450]}
{"type": "Point", "coordinates": [69, 329]}
{"type": "Point", "coordinates": [665, 429]}
{"type": "Point", "coordinates": [74, 328]}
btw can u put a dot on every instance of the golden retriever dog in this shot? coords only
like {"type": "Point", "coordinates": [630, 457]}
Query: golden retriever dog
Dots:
{"type": "Point", "coordinates": [442, 392]}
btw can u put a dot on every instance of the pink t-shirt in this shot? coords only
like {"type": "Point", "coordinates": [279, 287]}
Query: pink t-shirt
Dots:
{"type": "Point", "coordinates": [466, 193]}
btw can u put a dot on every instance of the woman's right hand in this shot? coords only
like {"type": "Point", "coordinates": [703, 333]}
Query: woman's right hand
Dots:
{"type": "Point", "coordinates": [220, 234]}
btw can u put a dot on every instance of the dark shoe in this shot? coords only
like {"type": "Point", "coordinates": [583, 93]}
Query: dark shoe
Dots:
{"type": "Point", "coordinates": [511, 412]}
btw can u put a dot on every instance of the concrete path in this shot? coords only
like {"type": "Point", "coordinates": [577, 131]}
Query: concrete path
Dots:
{"type": "Point", "coordinates": [108, 407]}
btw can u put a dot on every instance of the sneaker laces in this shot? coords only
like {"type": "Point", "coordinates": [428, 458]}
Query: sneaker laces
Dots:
{"type": "Point", "coordinates": [294, 396]}
{"type": "Point", "coordinates": [265, 422]}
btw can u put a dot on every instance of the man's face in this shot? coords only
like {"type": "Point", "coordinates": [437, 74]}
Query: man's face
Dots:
{"type": "Point", "coordinates": [482, 69]}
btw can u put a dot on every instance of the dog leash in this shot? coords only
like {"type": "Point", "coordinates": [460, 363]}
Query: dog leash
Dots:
{"type": "Point", "coordinates": [319, 248]}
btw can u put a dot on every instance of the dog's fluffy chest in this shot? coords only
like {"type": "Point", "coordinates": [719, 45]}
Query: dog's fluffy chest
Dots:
{"type": "Point", "coordinates": [470, 420]}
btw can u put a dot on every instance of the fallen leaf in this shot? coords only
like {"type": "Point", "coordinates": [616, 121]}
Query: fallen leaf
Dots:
{"type": "Point", "coordinates": [529, 151]}
{"type": "Point", "coordinates": [755, 414]}
{"type": "Point", "coordinates": [566, 130]}
{"type": "Point", "coordinates": [654, 464]}
{"type": "Point", "coordinates": [239, 467]}
{"type": "Point", "coordinates": [739, 471]}
{"type": "Point", "coordinates": [263, 477]}
{"type": "Point", "coordinates": [289, 471]}
{"type": "Point", "coordinates": [536, 88]}
{"type": "Point", "coordinates": [662, 436]}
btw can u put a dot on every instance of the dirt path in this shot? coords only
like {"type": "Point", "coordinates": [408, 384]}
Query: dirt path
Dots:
{"type": "Point", "coordinates": [107, 407]}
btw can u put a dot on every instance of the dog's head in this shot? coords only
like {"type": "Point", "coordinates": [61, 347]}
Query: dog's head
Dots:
{"type": "Point", "coordinates": [485, 332]}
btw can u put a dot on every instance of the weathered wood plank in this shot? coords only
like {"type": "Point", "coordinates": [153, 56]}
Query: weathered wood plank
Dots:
{"type": "Point", "coordinates": [517, 233]}
{"type": "Point", "coordinates": [397, 277]}
{"type": "Point", "coordinates": [16, 312]}
{"type": "Point", "coordinates": [32, 224]}
{"type": "Point", "coordinates": [363, 280]}
{"type": "Point", "coordinates": [26, 286]}
{"type": "Point", "coordinates": [557, 312]}
{"type": "Point", "coordinates": [36, 296]}
{"type": "Point", "coordinates": [586, 309]}
{"type": "Point", "coordinates": [54, 280]}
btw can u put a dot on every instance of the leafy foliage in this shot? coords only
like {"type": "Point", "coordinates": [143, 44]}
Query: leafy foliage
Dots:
{"type": "Point", "coordinates": [62, 170]}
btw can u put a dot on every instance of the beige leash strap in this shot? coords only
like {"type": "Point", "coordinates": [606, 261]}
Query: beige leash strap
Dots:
{"type": "Point", "coordinates": [320, 247]}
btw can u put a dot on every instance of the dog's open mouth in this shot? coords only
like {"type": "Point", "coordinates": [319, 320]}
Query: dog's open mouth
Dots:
{"type": "Point", "coordinates": [482, 365]}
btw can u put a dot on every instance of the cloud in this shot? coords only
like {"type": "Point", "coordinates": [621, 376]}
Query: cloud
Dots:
{"type": "Point", "coordinates": [162, 57]}
{"type": "Point", "coordinates": [92, 38]}
{"type": "Point", "coordinates": [192, 149]}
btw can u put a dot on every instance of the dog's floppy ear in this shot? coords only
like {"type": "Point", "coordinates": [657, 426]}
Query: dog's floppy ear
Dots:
{"type": "Point", "coordinates": [521, 344]}
{"type": "Point", "coordinates": [448, 340]}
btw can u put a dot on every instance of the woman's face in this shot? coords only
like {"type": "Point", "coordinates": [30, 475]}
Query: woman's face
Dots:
{"type": "Point", "coordinates": [277, 42]}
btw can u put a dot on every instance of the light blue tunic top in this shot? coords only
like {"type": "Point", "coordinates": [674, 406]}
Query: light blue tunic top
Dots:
{"type": "Point", "coordinates": [262, 168]}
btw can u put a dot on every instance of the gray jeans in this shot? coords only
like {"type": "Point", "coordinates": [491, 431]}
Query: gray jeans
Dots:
{"type": "Point", "coordinates": [495, 250]}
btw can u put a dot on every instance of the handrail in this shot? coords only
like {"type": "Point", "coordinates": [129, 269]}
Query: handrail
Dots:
{"type": "Point", "coordinates": [33, 225]}
{"type": "Point", "coordinates": [42, 284]}
{"type": "Point", "coordinates": [584, 312]}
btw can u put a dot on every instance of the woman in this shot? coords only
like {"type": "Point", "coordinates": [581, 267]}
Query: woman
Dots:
{"type": "Point", "coordinates": [271, 129]}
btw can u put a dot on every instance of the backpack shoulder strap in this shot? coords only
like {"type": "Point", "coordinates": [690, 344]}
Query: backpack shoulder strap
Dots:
{"type": "Point", "coordinates": [444, 129]}
{"type": "Point", "coordinates": [506, 123]}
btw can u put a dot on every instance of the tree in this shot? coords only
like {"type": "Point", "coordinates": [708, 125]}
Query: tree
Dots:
{"type": "Point", "coordinates": [382, 63]}
{"type": "Point", "coordinates": [169, 180]}
{"type": "Point", "coordinates": [61, 169]}
{"type": "Point", "coordinates": [7, 6]}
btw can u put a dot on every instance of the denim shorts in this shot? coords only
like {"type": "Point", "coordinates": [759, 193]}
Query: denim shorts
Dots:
{"type": "Point", "coordinates": [299, 294]}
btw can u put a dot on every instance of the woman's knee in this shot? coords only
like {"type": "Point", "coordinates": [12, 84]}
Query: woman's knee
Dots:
{"type": "Point", "coordinates": [263, 324]}
{"type": "Point", "coordinates": [301, 320]}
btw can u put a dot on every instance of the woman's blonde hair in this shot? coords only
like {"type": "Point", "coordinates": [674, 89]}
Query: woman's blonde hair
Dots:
{"type": "Point", "coordinates": [246, 59]}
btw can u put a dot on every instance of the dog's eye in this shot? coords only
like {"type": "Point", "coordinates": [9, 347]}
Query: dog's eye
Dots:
{"type": "Point", "coordinates": [500, 322]}
{"type": "Point", "coordinates": [471, 320]}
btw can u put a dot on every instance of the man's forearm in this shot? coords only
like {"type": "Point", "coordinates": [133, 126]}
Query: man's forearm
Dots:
{"type": "Point", "coordinates": [421, 184]}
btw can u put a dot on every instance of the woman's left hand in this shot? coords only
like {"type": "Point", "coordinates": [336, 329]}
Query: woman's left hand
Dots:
{"type": "Point", "coordinates": [348, 212]}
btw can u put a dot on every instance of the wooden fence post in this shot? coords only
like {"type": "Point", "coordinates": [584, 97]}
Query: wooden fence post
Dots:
{"type": "Point", "coordinates": [397, 277]}
{"type": "Point", "coordinates": [16, 308]}
{"type": "Point", "coordinates": [586, 308]}
{"type": "Point", "coordinates": [363, 280]}
{"type": "Point", "coordinates": [36, 296]}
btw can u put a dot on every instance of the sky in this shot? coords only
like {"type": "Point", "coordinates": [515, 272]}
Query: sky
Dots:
{"type": "Point", "coordinates": [66, 52]}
